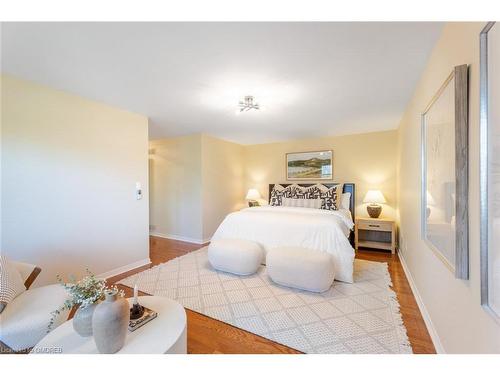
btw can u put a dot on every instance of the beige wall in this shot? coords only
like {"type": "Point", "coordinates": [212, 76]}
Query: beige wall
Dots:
{"type": "Point", "coordinates": [176, 194]}
{"type": "Point", "coordinates": [69, 169]}
{"type": "Point", "coordinates": [195, 182]}
{"type": "Point", "coordinates": [223, 191]}
{"type": "Point", "coordinates": [454, 308]}
{"type": "Point", "coordinates": [368, 160]}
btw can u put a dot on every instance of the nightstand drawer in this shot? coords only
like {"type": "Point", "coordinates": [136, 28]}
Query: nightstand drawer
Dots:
{"type": "Point", "coordinates": [375, 225]}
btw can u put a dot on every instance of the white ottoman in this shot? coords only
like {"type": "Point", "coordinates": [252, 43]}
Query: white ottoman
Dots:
{"type": "Point", "coordinates": [240, 257]}
{"type": "Point", "coordinates": [301, 268]}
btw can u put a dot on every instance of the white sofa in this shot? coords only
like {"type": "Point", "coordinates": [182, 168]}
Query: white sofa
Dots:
{"type": "Point", "coordinates": [25, 320]}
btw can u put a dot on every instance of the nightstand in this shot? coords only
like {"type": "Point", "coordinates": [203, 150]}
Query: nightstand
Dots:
{"type": "Point", "coordinates": [375, 234]}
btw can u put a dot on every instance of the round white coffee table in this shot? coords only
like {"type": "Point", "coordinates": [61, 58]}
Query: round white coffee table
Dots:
{"type": "Point", "coordinates": [164, 334]}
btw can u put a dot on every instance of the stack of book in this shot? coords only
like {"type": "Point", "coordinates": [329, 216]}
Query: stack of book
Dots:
{"type": "Point", "coordinates": [147, 316]}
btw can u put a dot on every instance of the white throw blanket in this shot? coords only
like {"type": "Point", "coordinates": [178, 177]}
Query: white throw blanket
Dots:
{"type": "Point", "coordinates": [310, 228]}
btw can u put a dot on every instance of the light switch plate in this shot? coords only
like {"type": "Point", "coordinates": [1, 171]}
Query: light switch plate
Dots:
{"type": "Point", "coordinates": [138, 191]}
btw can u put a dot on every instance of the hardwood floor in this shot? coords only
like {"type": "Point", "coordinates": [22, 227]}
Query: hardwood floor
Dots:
{"type": "Point", "coordinates": [207, 335]}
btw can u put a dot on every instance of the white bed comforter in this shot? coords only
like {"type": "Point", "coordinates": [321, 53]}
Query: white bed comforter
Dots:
{"type": "Point", "coordinates": [293, 226]}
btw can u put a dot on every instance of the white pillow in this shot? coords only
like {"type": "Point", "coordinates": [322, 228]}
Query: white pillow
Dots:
{"type": "Point", "coordinates": [11, 282]}
{"type": "Point", "coordinates": [301, 202]}
{"type": "Point", "coordinates": [345, 200]}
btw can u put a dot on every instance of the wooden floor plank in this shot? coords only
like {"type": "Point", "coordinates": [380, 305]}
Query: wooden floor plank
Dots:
{"type": "Point", "coordinates": [207, 335]}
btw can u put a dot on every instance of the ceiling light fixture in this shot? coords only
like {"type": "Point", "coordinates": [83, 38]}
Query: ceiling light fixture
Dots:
{"type": "Point", "coordinates": [247, 104]}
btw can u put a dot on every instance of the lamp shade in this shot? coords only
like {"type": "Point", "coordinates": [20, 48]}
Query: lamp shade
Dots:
{"type": "Point", "coordinates": [374, 196]}
{"type": "Point", "coordinates": [253, 194]}
{"type": "Point", "coordinates": [430, 199]}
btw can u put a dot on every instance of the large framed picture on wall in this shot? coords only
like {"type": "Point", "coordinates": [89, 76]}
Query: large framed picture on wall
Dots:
{"type": "Point", "coordinates": [315, 165]}
{"type": "Point", "coordinates": [490, 168]}
{"type": "Point", "coordinates": [445, 173]}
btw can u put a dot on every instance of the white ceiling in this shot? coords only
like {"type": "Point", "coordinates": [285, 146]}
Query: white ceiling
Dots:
{"type": "Point", "coordinates": [313, 79]}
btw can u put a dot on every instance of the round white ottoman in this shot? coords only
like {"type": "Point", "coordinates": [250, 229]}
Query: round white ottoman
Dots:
{"type": "Point", "coordinates": [301, 268]}
{"type": "Point", "coordinates": [240, 257]}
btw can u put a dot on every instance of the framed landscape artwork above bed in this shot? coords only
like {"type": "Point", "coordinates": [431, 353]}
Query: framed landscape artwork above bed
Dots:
{"type": "Point", "coordinates": [314, 165]}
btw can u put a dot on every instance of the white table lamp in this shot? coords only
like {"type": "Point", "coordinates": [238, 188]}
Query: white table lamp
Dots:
{"type": "Point", "coordinates": [252, 196]}
{"type": "Point", "coordinates": [374, 198]}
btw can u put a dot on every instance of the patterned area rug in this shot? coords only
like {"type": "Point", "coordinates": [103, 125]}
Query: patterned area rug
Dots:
{"type": "Point", "coordinates": [362, 317]}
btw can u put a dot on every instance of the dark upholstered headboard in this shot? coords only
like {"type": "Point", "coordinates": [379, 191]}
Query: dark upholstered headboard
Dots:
{"type": "Point", "coordinates": [348, 188]}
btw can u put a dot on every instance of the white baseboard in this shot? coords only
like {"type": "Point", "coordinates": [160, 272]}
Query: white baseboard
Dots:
{"type": "Point", "coordinates": [180, 238]}
{"type": "Point", "coordinates": [425, 314]}
{"type": "Point", "coordinates": [122, 269]}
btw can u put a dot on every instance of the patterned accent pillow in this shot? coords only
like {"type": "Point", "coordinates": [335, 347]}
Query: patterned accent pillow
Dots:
{"type": "Point", "coordinates": [288, 191]}
{"type": "Point", "coordinates": [297, 192]}
{"type": "Point", "coordinates": [276, 195]}
{"type": "Point", "coordinates": [330, 197]}
{"type": "Point", "coordinates": [11, 282]}
{"type": "Point", "coordinates": [291, 191]}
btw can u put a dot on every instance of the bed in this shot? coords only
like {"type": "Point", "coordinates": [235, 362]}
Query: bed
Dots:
{"type": "Point", "coordinates": [311, 228]}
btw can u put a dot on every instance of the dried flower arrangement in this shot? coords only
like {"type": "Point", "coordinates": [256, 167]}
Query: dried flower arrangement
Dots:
{"type": "Point", "coordinates": [83, 293]}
